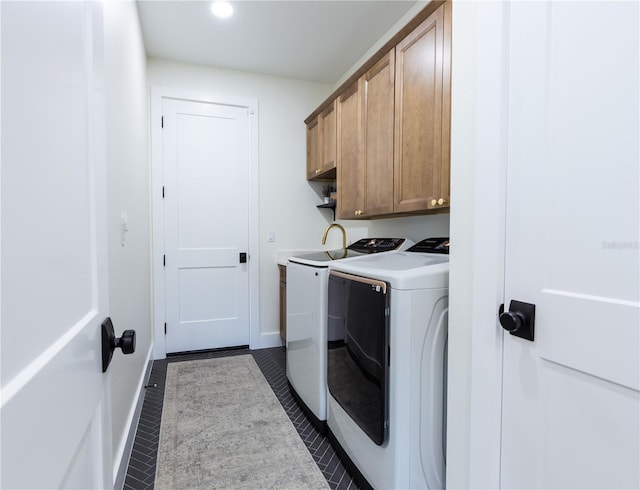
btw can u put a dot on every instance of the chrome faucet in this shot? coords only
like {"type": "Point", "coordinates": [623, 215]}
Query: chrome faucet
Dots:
{"type": "Point", "coordinates": [344, 234]}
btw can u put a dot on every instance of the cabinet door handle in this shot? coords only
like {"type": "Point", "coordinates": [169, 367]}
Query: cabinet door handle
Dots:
{"type": "Point", "coordinates": [438, 202]}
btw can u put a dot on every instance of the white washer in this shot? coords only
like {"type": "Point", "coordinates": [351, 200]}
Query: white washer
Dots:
{"type": "Point", "coordinates": [387, 378]}
{"type": "Point", "coordinates": [307, 333]}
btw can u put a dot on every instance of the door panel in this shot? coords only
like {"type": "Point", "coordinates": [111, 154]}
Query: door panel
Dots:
{"type": "Point", "coordinates": [570, 398]}
{"type": "Point", "coordinates": [599, 351]}
{"type": "Point", "coordinates": [86, 466]}
{"type": "Point", "coordinates": [34, 176]}
{"type": "Point", "coordinates": [571, 419]}
{"type": "Point", "coordinates": [215, 282]}
{"type": "Point", "coordinates": [350, 162]}
{"type": "Point", "coordinates": [421, 124]}
{"type": "Point", "coordinates": [328, 133]}
{"type": "Point", "coordinates": [314, 151]}
{"type": "Point", "coordinates": [377, 98]}
{"type": "Point", "coordinates": [55, 429]}
{"type": "Point", "coordinates": [206, 160]}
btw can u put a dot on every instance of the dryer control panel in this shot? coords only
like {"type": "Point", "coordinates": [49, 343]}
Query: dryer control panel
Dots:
{"type": "Point", "coordinates": [431, 246]}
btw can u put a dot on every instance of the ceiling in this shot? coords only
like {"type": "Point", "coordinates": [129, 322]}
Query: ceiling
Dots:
{"type": "Point", "coordinates": [305, 39]}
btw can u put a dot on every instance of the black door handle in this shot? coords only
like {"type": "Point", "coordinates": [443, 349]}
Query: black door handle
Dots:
{"type": "Point", "coordinates": [519, 320]}
{"type": "Point", "coordinates": [243, 257]}
{"type": "Point", "coordinates": [110, 342]}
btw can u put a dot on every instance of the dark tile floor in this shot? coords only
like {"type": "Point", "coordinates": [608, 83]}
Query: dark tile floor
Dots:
{"type": "Point", "coordinates": [142, 465]}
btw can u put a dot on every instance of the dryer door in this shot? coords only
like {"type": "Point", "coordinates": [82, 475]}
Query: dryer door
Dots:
{"type": "Point", "coordinates": [358, 357]}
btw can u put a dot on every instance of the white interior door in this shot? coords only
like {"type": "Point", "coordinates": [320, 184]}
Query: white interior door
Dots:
{"type": "Point", "coordinates": [206, 149]}
{"type": "Point", "coordinates": [571, 409]}
{"type": "Point", "coordinates": [55, 418]}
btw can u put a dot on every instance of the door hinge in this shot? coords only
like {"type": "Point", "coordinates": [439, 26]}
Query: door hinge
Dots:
{"type": "Point", "coordinates": [162, 122]}
{"type": "Point", "coordinates": [164, 261]}
{"type": "Point", "coordinates": [165, 328]}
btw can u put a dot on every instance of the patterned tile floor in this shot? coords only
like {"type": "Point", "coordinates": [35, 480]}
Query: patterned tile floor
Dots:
{"type": "Point", "coordinates": [142, 465]}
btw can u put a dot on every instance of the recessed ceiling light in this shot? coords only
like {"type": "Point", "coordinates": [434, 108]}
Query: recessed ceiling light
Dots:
{"type": "Point", "coordinates": [222, 9]}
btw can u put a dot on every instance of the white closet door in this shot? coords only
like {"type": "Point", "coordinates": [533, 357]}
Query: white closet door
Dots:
{"type": "Point", "coordinates": [571, 411]}
{"type": "Point", "coordinates": [206, 150]}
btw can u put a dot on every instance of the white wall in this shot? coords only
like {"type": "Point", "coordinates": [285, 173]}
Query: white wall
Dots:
{"type": "Point", "coordinates": [286, 202]}
{"type": "Point", "coordinates": [127, 191]}
{"type": "Point", "coordinates": [414, 227]}
{"type": "Point", "coordinates": [404, 20]}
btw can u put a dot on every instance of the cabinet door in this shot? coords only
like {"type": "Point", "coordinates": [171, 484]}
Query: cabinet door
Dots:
{"type": "Point", "coordinates": [350, 163]}
{"type": "Point", "coordinates": [377, 95]}
{"type": "Point", "coordinates": [328, 130]}
{"type": "Point", "coordinates": [313, 149]}
{"type": "Point", "coordinates": [422, 126]}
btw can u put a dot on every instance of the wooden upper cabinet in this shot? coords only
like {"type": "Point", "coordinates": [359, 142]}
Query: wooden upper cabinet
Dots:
{"type": "Point", "coordinates": [313, 148]}
{"type": "Point", "coordinates": [388, 130]}
{"type": "Point", "coordinates": [350, 163]}
{"type": "Point", "coordinates": [365, 144]}
{"type": "Point", "coordinates": [328, 128]}
{"type": "Point", "coordinates": [423, 113]}
{"type": "Point", "coordinates": [321, 145]}
{"type": "Point", "coordinates": [377, 95]}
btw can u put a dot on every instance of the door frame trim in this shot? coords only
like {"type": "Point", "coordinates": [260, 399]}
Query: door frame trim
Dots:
{"type": "Point", "coordinates": [478, 227]}
{"type": "Point", "coordinates": [157, 217]}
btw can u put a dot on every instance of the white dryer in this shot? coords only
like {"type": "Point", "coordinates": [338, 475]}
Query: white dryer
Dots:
{"type": "Point", "coordinates": [386, 373]}
{"type": "Point", "coordinates": [307, 329]}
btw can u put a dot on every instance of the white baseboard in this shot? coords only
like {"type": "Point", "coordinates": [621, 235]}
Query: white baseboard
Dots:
{"type": "Point", "coordinates": [269, 339]}
{"type": "Point", "coordinates": [126, 445]}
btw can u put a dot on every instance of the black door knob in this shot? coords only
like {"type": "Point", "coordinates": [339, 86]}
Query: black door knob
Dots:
{"type": "Point", "coordinates": [519, 320]}
{"type": "Point", "coordinates": [511, 321]}
{"type": "Point", "coordinates": [110, 342]}
{"type": "Point", "coordinates": [127, 342]}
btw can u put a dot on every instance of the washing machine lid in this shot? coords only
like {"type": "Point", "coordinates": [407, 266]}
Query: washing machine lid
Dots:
{"type": "Point", "coordinates": [402, 270]}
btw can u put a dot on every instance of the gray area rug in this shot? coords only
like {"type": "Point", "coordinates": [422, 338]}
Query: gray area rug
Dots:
{"type": "Point", "coordinates": [223, 427]}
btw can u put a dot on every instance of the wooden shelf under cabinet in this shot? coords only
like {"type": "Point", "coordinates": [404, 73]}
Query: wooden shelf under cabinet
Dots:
{"type": "Point", "coordinates": [329, 205]}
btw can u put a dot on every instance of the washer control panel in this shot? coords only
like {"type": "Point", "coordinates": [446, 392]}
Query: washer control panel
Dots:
{"type": "Point", "coordinates": [375, 245]}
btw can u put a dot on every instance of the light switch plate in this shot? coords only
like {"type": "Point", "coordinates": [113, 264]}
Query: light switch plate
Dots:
{"type": "Point", "coordinates": [124, 227]}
